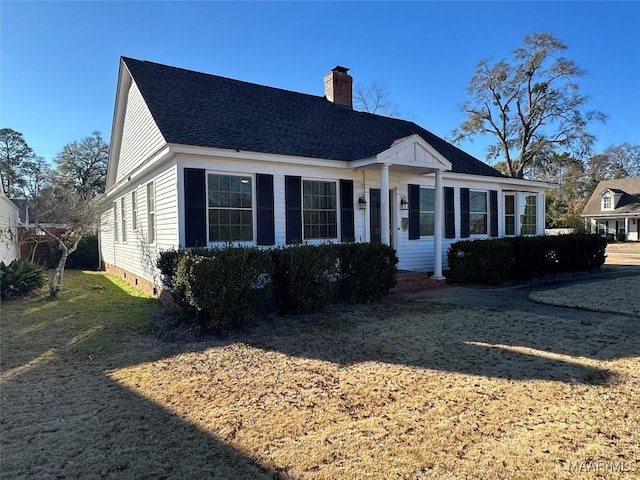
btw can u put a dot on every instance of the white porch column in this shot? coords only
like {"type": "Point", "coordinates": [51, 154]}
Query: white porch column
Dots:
{"type": "Point", "coordinates": [384, 205]}
{"type": "Point", "coordinates": [626, 228]}
{"type": "Point", "coordinates": [438, 227]}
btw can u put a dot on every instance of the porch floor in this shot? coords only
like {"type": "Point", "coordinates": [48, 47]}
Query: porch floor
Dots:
{"type": "Point", "coordinates": [415, 281]}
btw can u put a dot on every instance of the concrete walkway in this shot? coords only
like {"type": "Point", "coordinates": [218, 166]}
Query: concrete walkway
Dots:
{"type": "Point", "coordinates": [515, 297]}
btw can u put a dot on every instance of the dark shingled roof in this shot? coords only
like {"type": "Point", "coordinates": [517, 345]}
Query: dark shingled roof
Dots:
{"type": "Point", "coordinates": [629, 202]}
{"type": "Point", "coordinates": [192, 108]}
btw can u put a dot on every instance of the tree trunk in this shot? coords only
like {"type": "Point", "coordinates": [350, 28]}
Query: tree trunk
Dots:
{"type": "Point", "coordinates": [55, 282]}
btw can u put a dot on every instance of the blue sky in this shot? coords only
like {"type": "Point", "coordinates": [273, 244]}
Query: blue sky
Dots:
{"type": "Point", "coordinates": [59, 60]}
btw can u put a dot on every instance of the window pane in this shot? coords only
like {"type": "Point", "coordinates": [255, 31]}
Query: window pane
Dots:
{"type": "Point", "coordinates": [230, 208]}
{"type": "Point", "coordinates": [510, 225]}
{"type": "Point", "coordinates": [427, 221]}
{"type": "Point", "coordinates": [319, 209]}
{"type": "Point", "coordinates": [478, 223]}
{"type": "Point", "coordinates": [427, 200]}
{"type": "Point", "coordinates": [427, 209]}
{"type": "Point", "coordinates": [478, 201]}
{"type": "Point", "coordinates": [510, 204]}
{"type": "Point", "coordinates": [527, 211]}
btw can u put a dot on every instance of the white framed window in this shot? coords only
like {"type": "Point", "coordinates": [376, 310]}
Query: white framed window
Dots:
{"type": "Point", "coordinates": [151, 212]}
{"type": "Point", "coordinates": [620, 227]}
{"type": "Point", "coordinates": [134, 211]}
{"type": "Point", "coordinates": [319, 210]}
{"type": "Point", "coordinates": [528, 213]}
{"type": "Point", "coordinates": [115, 221]}
{"type": "Point", "coordinates": [477, 213]}
{"type": "Point", "coordinates": [510, 214]}
{"type": "Point", "coordinates": [520, 214]}
{"type": "Point", "coordinates": [427, 211]}
{"type": "Point", "coordinates": [123, 219]}
{"type": "Point", "coordinates": [602, 228]}
{"type": "Point", "coordinates": [230, 208]}
{"type": "Point", "coordinates": [607, 202]}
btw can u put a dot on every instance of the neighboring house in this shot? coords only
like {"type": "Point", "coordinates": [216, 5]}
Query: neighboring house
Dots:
{"type": "Point", "coordinates": [9, 218]}
{"type": "Point", "coordinates": [203, 160]}
{"type": "Point", "coordinates": [32, 242]}
{"type": "Point", "coordinates": [614, 208]}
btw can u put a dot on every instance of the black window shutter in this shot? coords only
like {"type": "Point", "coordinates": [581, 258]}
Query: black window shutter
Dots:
{"type": "Point", "coordinates": [414, 212]}
{"type": "Point", "coordinates": [293, 207]}
{"type": "Point", "coordinates": [265, 222]}
{"type": "Point", "coordinates": [493, 213]}
{"type": "Point", "coordinates": [464, 213]}
{"type": "Point", "coordinates": [195, 215]}
{"type": "Point", "coordinates": [449, 213]}
{"type": "Point", "coordinates": [346, 211]}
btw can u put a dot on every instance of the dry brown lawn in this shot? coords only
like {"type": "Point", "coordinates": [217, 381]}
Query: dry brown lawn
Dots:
{"type": "Point", "coordinates": [402, 390]}
{"type": "Point", "coordinates": [620, 295]}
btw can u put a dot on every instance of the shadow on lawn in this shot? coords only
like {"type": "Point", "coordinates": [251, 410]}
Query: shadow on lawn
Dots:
{"type": "Point", "coordinates": [478, 342]}
{"type": "Point", "coordinates": [88, 426]}
{"type": "Point", "coordinates": [63, 417]}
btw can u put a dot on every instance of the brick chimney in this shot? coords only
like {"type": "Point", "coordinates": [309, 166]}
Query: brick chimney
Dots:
{"type": "Point", "coordinates": [338, 86]}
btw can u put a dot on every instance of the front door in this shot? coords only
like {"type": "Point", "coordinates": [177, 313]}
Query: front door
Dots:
{"type": "Point", "coordinates": [374, 216]}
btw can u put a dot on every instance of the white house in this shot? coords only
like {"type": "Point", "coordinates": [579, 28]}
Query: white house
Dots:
{"type": "Point", "coordinates": [614, 208]}
{"type": "Point", "coordinates": [202, 160]}
{"type": "Point", "coordinates": [9, 216]}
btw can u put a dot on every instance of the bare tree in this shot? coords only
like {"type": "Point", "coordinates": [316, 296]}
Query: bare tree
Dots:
{"type": "Point", "coordinates": [531, 105]}
{"type": "Point", "coordinates": [83, 165]}
{"type": "Point", "coordinates": [375, 99]}
{"type": "Point", "coordinates": [80, 214]}
{"type": "Point", "coordinates": [35, 176]}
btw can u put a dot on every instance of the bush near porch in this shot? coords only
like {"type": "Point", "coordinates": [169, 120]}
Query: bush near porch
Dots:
{"type": "Point", "coordinates": [491, 262]}
{"type": "Point", "coordinates": [223, 287]}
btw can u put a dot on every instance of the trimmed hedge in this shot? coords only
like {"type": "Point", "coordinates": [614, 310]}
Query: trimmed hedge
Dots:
{"type": "Point", "coordinates": [19, 278]}
{"type": "Point", "coordinates": [367, 271]}
{"type": "Point", "coordinates": [491, 262]}
{"type": "Point", "coordinates": [304, 277]}
{"type": "Point", "coordinates": [480, 261]}
{"type": "Point", "coordinates": [222, 287]}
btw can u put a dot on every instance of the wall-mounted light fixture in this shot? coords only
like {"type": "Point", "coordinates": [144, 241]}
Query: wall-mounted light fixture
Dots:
{"type": "Point", "coordinates": [362, 202]}
{"type": "Point", "coordinates": [404, 203]}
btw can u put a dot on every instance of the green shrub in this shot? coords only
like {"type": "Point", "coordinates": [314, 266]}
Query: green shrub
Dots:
{"type": "Point", "coordinates": [596, 251]}
{"type": "Point", "coordinates": [367, 271]}
{"type": "Point", "coordinates": [224, 287]}
{"type": "Point", "coordinates": [480, 261]}
{"type": "Point", "coordinates": [86, 255]}
{"type": "Point", "coordinates": [167, 263]}
{"type": "Point", "coordinates": [472, 261]}
{"type": "Point", "coordinates": [19, 278]}
{"type": "Point", "coordinates": [621, 237]}
{"type": "Point", "coordinates": [303, 277]}
{"type": "Point", "coordinates": [529, 257]}
{"type": "Point", "coordinates": [180, 284]}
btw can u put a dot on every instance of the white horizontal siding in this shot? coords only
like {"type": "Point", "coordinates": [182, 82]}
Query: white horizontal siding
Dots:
{"type": "Point", "coordinates": [137, 255]}
{"type": "Point", "coordinates": [107, 244]}
{"type": "Point", "coordinates": [8, 230]}
{"type": "Point", "coordinates": [140, 134]}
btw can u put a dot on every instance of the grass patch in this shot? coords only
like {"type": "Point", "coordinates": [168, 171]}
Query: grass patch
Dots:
{"type": "Point", "coordinates": [607, 296]}
{"type": "Point", "coordinates": [398, 390]}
